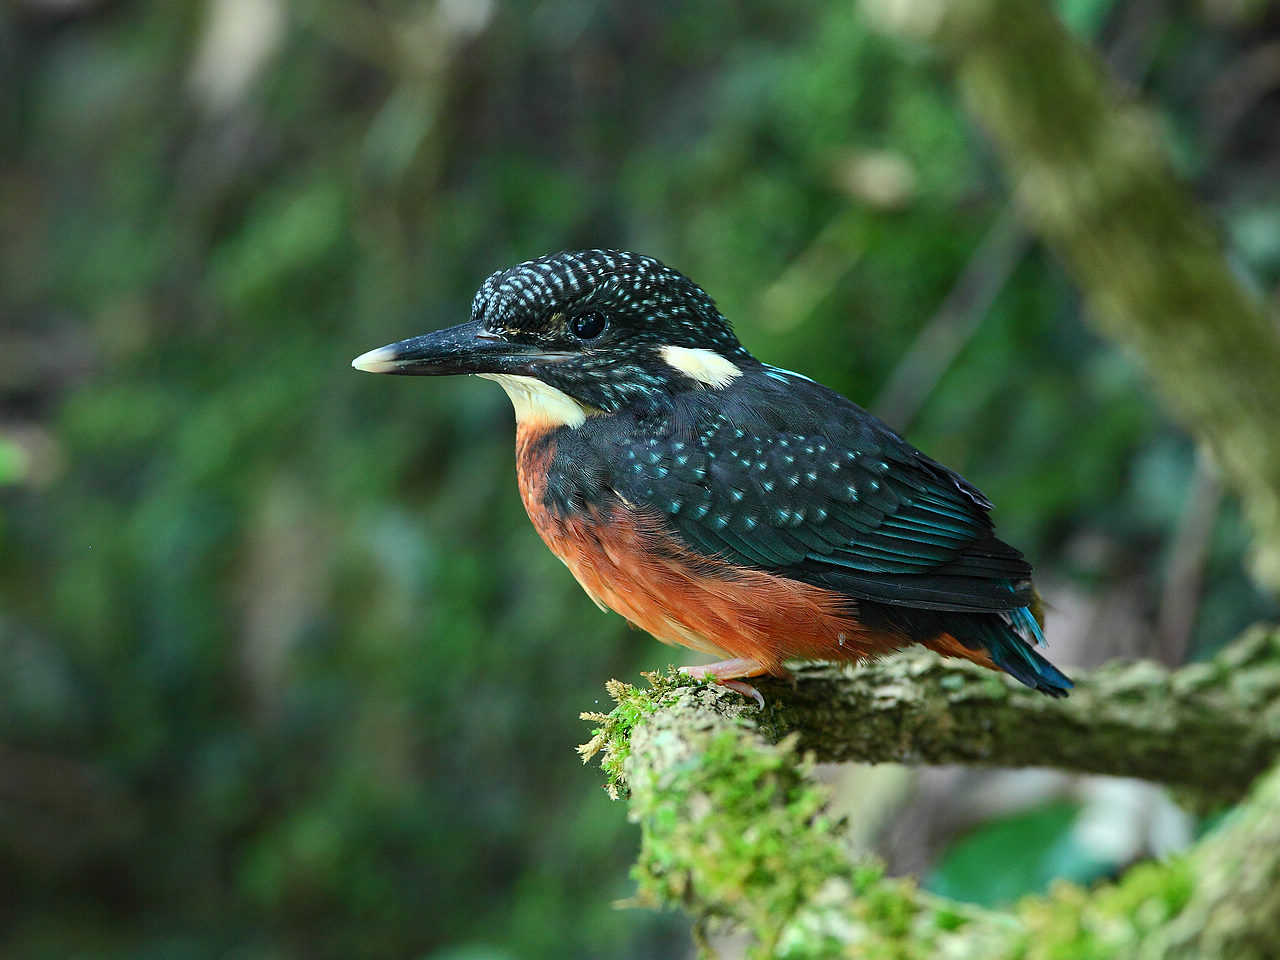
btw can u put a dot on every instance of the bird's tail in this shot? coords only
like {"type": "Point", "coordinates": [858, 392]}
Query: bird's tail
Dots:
{"type": "Point", "coordinates": [1003, 641]}
{"type": "Point", "coordinates": [1010, 642]}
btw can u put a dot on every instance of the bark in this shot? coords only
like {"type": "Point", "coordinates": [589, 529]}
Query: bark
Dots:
{"type": "Point", "coordinates": [1208, 728]}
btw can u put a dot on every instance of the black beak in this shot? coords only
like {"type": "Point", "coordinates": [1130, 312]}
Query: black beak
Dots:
{"type": "Point", "coordinates": [466, 348]}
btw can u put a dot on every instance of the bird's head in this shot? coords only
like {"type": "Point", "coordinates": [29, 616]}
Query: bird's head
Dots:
{"type": "Point", "coordinates": [577, 333]}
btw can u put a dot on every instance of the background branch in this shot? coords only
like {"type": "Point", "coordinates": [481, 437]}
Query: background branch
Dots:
{"type": "Point", "coordinates": [1089, 172]}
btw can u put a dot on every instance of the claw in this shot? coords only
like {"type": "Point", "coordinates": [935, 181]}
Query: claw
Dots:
{"type": "Point", "coordinates": [746, 689]}
{"type": "Point", "coordinates": [727, 674]}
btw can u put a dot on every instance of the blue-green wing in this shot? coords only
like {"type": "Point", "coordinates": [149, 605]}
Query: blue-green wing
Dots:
{"type": "Point", "coordinates": [811, 486]}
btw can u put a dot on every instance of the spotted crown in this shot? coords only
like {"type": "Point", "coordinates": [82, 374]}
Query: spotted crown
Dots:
{"type": "Point", "coordinates": [642, 293]}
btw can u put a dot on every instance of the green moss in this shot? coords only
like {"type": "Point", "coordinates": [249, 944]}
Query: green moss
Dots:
{"type": "Point", "coordinates": [738, 833]}
{"type": "Point", "coordinates": [735, 830]}
{"type": "Point", "coordinates": [612, 735]}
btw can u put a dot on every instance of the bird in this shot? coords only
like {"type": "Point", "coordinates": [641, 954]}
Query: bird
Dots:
{"type": "Point", "coordinates": [721, 503]}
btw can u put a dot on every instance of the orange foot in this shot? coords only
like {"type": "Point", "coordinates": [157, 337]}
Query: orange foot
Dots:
{"type": "Point", "coordinates": [727, 672]}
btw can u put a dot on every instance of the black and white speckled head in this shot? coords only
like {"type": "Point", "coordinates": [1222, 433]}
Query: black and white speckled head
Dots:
{"type": "Point", "coordinates": [607, 329]}
{"type": "Point", "coordinates": [642, 299]}
{"type": "Point", "coordinates": [616, 315]}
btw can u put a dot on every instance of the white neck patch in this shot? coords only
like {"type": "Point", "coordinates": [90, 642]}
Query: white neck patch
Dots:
{"type": "Point", "coordinates": [540, 405]}
{"type": "Point", "coordinates": [706, 366]}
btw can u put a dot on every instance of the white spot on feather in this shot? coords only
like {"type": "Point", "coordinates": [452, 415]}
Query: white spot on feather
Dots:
{"type": "Point", "coordinates": [705, 366]}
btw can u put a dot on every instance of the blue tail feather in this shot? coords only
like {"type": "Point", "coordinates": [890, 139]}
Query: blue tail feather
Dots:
{"type": "Point", "coordinates": [1009, 645]}
{"type": "Point", "coordinates": [1025, 623]}
{"type": "Point", "coordinates": [1008, 637]}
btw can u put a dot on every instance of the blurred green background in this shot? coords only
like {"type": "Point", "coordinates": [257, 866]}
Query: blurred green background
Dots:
{"type": "Point", "coordinates": [284, 670]}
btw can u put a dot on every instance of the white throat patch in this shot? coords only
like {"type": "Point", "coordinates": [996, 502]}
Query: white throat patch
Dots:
{"type": "Point", "coordinates": [706, 366]}
{"type": "Point", "coordinates": [539, 405]}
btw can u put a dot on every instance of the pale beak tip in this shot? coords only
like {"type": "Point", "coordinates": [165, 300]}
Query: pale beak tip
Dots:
{"type": "Point", "coordinates": [381, 360]}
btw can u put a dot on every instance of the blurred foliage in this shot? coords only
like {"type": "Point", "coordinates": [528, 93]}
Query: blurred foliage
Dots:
{"type": "Point", "coordinates": [1014, 856]}
{"type": "Point", "coordinates": [286, 671]}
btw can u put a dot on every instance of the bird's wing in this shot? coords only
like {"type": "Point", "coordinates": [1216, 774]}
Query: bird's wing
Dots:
{"type": "Point", "coordinates": [824, 493]}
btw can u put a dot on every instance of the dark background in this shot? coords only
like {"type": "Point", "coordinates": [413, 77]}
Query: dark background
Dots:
{"type": "Point", "coordinates": [284, 670]}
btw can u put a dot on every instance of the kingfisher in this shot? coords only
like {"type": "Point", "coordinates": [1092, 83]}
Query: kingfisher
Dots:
{"type": "Point", "coordinates": [721, 503]}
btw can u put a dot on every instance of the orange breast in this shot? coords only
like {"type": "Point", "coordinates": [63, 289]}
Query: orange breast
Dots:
{"type": "Point", "coordinates": [628, 562]}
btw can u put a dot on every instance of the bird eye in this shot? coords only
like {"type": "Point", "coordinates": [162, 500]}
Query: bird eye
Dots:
{"type": "Point", "coordinates": [588, 326]}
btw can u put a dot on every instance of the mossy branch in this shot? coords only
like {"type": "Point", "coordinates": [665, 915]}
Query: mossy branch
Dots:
{"type": "Point", "coordinates": [735, 829]}
{"type": "Point", "coordinates": [1208, 728]}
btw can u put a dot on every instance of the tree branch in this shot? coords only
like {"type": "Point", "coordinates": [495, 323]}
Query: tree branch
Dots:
{"type": "Point", "coordinates": [734, 828]}
{"type": "Point", "coordinates": [1210, 727]}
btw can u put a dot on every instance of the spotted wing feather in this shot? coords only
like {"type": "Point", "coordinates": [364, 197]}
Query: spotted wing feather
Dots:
{"type": "Point", "coordinates": [802, 482]}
